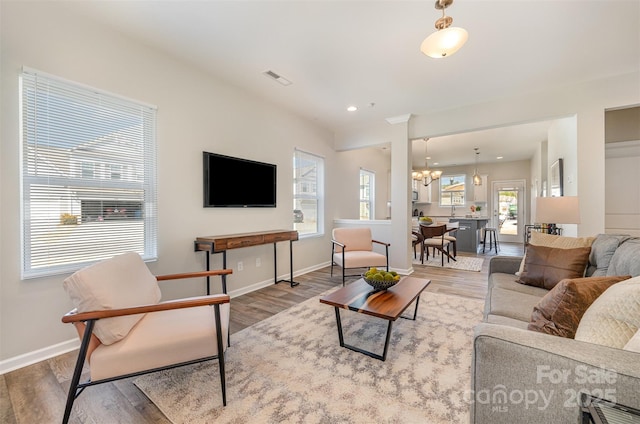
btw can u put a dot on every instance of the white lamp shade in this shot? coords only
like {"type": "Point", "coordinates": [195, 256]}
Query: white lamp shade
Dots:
{"type": "Point", "coordinates": [558, 210]}
{"type": "Point", "coordinates": [444, 42]}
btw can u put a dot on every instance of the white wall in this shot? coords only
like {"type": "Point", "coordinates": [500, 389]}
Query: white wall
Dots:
{"type": "Point", "coordinates": [348, 165]}
{"type": "Point", "coordinates": [587, 101]}
{"type": "Point", "coordinates": [196, 112]}
{"type": "Point", "coordinates": [622, 189]}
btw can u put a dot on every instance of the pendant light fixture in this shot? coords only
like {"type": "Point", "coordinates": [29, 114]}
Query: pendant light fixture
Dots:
{"type": "Point", "coordinates": [427, 176]}
{"type": "Point", "coordinates": [477, 180]}
{"type": "Point", "coordinates": [447, 39]}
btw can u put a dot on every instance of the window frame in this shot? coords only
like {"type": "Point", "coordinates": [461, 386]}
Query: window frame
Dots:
{"type": "Point", "coordinates": [462, 179]}
{"type": "Point", "coordinates": [370, 200]}
{"type": "Point", "coordinates": [80, 132]}
{"type": "Point", "coordinates": [303, 191]}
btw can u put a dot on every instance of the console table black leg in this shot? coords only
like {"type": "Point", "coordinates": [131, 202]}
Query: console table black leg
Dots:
{"type": "Point", "coordinates": [275, 265]}
{"type": "Point", "coordinates": [224, 277]}
{"type": "Point", "coordinates": [208, 277]}
{"type": "Point", "coordinates": [293, 284]}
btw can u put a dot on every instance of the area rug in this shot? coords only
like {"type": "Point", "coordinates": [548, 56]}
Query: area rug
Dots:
{"type": "Point", "coordinates": [462, 263]}
{"type": "Point", "coordinates": [291, 368]}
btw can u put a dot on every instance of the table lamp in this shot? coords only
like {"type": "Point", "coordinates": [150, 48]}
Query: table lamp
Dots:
{"type": "Point", "coordinates": [557, 210]}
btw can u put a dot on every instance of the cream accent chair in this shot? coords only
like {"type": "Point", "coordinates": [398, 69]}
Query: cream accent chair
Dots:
{"type": "Point", "coordinates": [353, 248]}
{"type": "Point", "coordinates": [126, 331]}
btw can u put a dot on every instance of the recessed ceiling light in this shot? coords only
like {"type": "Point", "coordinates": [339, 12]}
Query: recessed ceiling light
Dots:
{"type": "Point", "coordinates": [499, 157]}
{"type": "Point", "coordinates": [428, 157]}
{"type": "Point", "coordinates": [436, 163]}
{"type": "Point", "coordinates": [352, 108]}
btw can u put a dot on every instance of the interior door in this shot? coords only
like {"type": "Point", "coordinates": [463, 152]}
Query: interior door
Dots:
{"type": "Point", "coordinates": [508, 213]}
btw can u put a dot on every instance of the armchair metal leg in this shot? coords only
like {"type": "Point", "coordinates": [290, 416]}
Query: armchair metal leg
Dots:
{"type": "Point", "coordinates": [75, 380]}
{"type": "Point", "coordinates": [216, 310]}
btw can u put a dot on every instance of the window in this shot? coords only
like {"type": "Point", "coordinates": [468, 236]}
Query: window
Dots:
{"type": "Point", "coordinates": [79, 206]}
{"type": "Point", "coordinates": [367, 190]}
{"type": "Point", "coordinates": [452, 190]}
{"type": "Point", "coordinates": [308, 193]}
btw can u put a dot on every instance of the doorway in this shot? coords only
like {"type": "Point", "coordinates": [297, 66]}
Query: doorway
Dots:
{"type": "Point", "coordinates": [508, 214]}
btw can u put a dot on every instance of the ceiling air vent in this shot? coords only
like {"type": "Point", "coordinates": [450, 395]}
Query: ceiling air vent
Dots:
{"type": "Point", "coordinates": [277, 78]}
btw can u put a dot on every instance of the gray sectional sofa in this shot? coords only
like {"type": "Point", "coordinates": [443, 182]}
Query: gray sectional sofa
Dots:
{"type": "Point", "coordinates": [523, 376]}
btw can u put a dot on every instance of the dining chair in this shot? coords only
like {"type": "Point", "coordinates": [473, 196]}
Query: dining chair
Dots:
{"type": "Point", "coordinates": [416, 239]}
{"type": "Point", "coordinates": [451, 234]}
{"type": "Point", "coordinates": [434, 238]}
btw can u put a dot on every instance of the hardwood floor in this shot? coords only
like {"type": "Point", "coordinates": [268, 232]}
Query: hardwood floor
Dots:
{"type": "Point", "coordinates": [37, 393]}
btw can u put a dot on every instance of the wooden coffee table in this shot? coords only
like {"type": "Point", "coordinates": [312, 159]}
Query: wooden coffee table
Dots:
{"type": "Point", "coordinates": [388, 304]}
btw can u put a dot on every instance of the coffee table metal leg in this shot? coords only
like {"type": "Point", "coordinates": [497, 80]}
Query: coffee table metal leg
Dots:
{"type": "Point", "coordinates": [382, 357]}
{"type": "Point", "coordinates": [415, 311]}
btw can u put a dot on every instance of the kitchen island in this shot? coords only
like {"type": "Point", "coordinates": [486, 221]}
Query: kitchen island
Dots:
{"type": "Point", "coordinates": [468, 236]}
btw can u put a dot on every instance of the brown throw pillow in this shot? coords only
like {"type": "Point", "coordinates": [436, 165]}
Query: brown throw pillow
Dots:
{"type": "Point", "coordinates": [559, 312]}
{"type": "Point", "coordinates": [546, 266]}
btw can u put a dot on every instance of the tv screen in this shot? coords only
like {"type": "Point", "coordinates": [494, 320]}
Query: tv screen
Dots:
{"type": "Point", "coordinates": [238, 183]}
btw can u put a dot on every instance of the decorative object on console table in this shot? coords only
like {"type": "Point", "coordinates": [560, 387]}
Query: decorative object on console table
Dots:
{"type": "Point", "coordinates": [557, 210]}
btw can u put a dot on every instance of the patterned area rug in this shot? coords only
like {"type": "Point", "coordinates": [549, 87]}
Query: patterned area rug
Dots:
{"type": "Point", "coordinates": [463, 263]}
{"type": "Point", "coordinates": [290, 368]}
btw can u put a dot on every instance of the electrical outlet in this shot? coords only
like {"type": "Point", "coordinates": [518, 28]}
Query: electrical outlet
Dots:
{"type": "Point", "coordinates": [240, 266]}
{"type": "Point", "coordinates": [258, 262]}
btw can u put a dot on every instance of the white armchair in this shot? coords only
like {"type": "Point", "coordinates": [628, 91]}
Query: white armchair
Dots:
{"type": "Point", "coordinates": [126, 331]}
{"type": "Point", "coordinates": [353, 248]}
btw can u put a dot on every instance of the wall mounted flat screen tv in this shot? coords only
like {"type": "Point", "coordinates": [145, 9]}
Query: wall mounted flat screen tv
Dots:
{"type": "Point", "coordinates": [238, 183]}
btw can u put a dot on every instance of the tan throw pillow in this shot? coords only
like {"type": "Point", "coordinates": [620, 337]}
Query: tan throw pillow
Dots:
{"type": "Point", "coordinates": [559, 242]}
{"type": "Point", "coordinates": [614, 317]}
{"type": "Point", "coordinates": [559, 312]}
{"type": "Point", "coordinates": [120, 282]}
{"type": "Point", "coordinates": [546, 266]}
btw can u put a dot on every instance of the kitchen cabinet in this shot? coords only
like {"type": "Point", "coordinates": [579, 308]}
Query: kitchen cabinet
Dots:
{"type": "Point", "coordinates": [424, 192]}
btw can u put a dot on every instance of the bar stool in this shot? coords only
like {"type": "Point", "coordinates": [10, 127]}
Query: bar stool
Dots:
{"type": "Point", "coordinates": [493, 239]}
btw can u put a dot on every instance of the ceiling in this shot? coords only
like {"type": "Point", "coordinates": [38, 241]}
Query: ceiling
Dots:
{"type": "Point", "coordinates": [366, 53]}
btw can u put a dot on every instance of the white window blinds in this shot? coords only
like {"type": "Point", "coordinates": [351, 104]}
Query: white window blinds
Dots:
{"type": "Point", "coordinates": [88, 176]}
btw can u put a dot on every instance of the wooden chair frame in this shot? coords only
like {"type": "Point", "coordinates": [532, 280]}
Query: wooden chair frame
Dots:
{"type": "Point", "coordinates": [90, 318]}
{"type": "Point", "coordinates": [435, 232]}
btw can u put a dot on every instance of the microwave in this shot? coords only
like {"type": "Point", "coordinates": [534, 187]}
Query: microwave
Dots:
{"type": "Point", "coordinates": [414, 196]}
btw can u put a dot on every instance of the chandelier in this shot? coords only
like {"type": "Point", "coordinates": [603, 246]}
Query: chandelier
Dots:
{"type": "Point", "coordinates": [447, 39]}
{"type": "Point", "coordinates": [427, 176]}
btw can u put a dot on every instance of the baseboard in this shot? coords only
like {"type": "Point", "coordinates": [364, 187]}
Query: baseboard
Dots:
{"type": "Point", "coordinates": [31, 358]}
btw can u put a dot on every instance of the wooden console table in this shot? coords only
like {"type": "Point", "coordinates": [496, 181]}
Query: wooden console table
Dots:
{"type": "Point", "coordinates": [220, 244]}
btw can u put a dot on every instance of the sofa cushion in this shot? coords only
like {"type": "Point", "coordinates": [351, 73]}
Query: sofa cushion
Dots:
{"type": "Point", "coordinates": [634, 343]}
{"type": "Point", "coordinates": [120, 282]}
{"type": "Point", "coordinates": [546, 266]}
{"type": "Point", "coordinates": [512, 304]}
{"type": "Point", "coordinates": [626, 259]}
{"type": "Point", "coordinates": [510, 322]}
{"type": "Point", "coordinates": [559, 312]}
{"type": "Point", "coordinates": [614, 317]}
{"type": "Point", "coordinates": [602, 251]}
{"type": "Point", "coordinates": [558, 242]}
